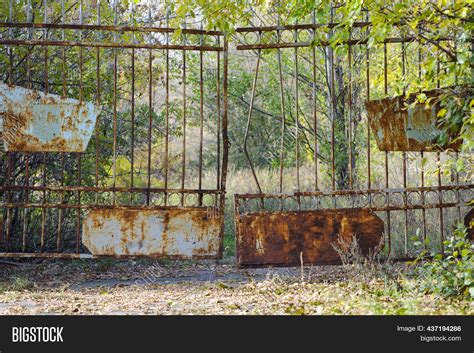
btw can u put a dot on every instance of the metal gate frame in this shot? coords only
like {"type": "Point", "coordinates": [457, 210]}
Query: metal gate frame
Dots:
{"type": "Point", "coordinates": [104, 43]}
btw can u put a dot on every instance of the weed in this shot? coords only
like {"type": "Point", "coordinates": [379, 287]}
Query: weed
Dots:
{"type": "Point", "coordinates": [20, 283]}
{"type": "Point", "coordinates": [449, 274]}
{"type": "Point", "coordinates": [105, 264]}
{"type": "Point", "coordinates": [367, 267]}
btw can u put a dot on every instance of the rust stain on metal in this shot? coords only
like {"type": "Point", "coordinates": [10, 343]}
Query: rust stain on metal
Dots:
{"type": "Point", "coordinates": [177, 233]}
{"type": "Point", "coordinates": [397, 127]}
{"type": "Point", "coordinates": [469, 224]}
{"type": "Point", "coordinates": [32, 121]}
{"type": "Point", "coordinates": [278, 238]}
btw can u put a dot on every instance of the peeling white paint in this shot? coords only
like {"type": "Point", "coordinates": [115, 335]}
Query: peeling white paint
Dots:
{"type": "Point", "coordinates": [180, 233]}
{"type": "Point", "coordinates": [31, 120]}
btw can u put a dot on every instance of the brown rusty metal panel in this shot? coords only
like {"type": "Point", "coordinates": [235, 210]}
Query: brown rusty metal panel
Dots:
{"type": "Point", "coordinates": [175, 233]}
{"type": "Point", "coordinates": [398, 127]}
{"type": "Point", "coordinates": [278, 238]}
{"type": "Point", "coordinates": [33, 121]}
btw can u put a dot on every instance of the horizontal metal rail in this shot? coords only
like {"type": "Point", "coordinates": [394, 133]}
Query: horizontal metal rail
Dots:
{"type": "Point", "coordinates": [91, 27]}
{"type": "Point", "coordinates": [94, 206]}
{"type": "Point", "coordinates": [357, 24]}
{"type": "Point", "coordinates": [280, 45]}
{"type": "Point", "coordinates": [64, 43]}
{"type": "Point", "coordinates": [356, 192]}
{"type": "Point", "coordinates": [107, 189]}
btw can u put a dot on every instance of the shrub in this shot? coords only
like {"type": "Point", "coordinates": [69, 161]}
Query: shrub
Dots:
{"type": "Point", "coordinates": [450, 274]}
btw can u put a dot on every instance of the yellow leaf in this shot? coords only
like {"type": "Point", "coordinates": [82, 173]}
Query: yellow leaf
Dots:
{"type": "Point", "coordinates": [442, 112]}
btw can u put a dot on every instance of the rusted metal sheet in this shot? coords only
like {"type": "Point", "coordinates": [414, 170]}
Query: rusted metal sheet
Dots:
{"type": "Point", "coordinates": [278, 238]}
{"type": "Point", "coordinates": [397, 127]}
{"type": "Point", "coordinates": [176, 233]}
{"type": "Point", "coordinates": [33, 121]}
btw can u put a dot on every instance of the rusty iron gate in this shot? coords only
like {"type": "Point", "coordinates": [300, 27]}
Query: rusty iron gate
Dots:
{"type": "Point", "coordinates": [384, 199]}
{"type": "Point", "coordinates": [126, 176]}
{"type": "Point", "coordinates": [102, 124]}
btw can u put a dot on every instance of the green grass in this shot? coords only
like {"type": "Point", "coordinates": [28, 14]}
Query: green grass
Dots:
{"type": "Point", "coordinates": [229, 245]}
{"type": "Point", "coordinates": [16, 283]}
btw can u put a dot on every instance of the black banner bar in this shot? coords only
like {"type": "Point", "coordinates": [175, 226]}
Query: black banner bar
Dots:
{"type": "Point", "coordinates": [316, 333]}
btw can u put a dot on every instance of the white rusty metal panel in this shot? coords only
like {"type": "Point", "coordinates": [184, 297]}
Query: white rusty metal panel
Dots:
{"type": "Point", "coordinates": [181, 233]}
{"type": "Point", "coordinates": [33, 121]}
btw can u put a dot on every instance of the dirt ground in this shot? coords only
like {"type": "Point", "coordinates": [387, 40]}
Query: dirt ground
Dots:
{"type": "Point", "coordinates": [127, 287]}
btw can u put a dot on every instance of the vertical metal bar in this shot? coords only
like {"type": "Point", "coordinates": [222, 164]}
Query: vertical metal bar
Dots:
{"type": "Point", "coordinates": [43, 211]}
{"type": "Point", "coordinates": [282, 111]}
{"type": "Point", "coordinates": [315, 116]}
{"type": "Point", "coordinates": [247, 129]}
{"type": "Point", "coordinates": [9, 213]}
{"type": "Point", "coordinates": [456, 80]}
{"type": "Point", "coordinates": [79, 155]}
{"type": "Point", "coordinates": [183, 161]}
{"type": "Point", "coordinates": [455, 50]}
{"type": "Point", "coordinates": [28, 63]}
{"type": "Point", "coordinates": [423, 210]}
{"type": "Point", "coordinates": [405, 162]}
{"type": "Point", "coordinates": [218, 94]}
{"type": "Point", "coordinates": [386, 154]}
{"type": "Point", "coordinates": [132, 142]}
{"type": "Point", "coordinates": [27, 158]}
{"type": "Point", "coordinates": [63, 49]}
{"type": "Point", "coordinates": [9, 154]}
{"type": "Point", "coordinates": [297, 114]}
{"type": "Point", "coordinates": [60, 213]}
{"type": "Point", "coordinates": [63, 74]}
{"type": "Point", "coordinates": [114, 148]}
{"type": "Point", "coordinates": [10, 49]}
{"type": "Point", "coordinates": [225, 143]}
{"type": "Point", "coordinates": [422, 169]}
{"type": "Point", "coordinates": [458, 197]}
{"type": "Point", "coordinates": [201, 115]}
{"type": "Point", "coordinates": [167, 107]}
{"type": "Point", "coordinates": [441, 217]}
{"type": "Point", "coordinates": [25, 210]}
{"type": "Point", "coordinates": [367, 63]}
{"type": "Point", "coordinates": [349, 59]}
{"type": "Point", "coordinates": [97, 126]}
{"type": "Point", "coordinates": [333, 108]}
{"type": "Point", "coordinates": [45, 48]}
{"type": "Point", "coordinates": [438, 160]}
{"type": "Point", "coordinates": [81, 60]}
{"type": "Point", "coordinates": [405, 203]}
{"type": "Point", "coordinates": [78, 223]}
{"type": "Point", "coordinates": [46, 89]}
